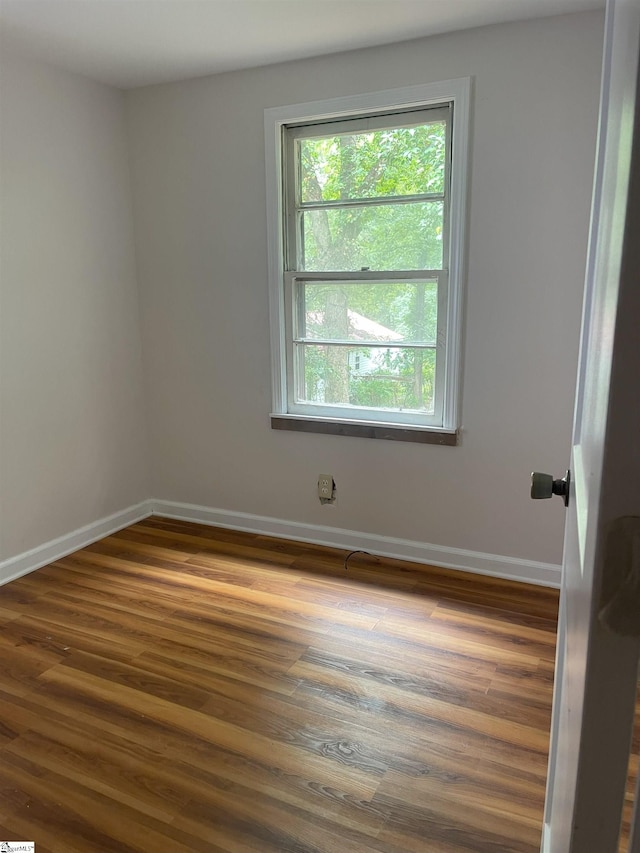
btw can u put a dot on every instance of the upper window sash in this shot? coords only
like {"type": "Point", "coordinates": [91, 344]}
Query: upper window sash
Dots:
{"type": "Point", "coordinates": [297, 210]}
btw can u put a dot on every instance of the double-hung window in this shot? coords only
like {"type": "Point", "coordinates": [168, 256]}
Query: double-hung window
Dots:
{"type": "Point", "coordinates": [366, 217]}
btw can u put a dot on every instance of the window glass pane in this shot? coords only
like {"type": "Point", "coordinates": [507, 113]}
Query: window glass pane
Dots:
{"type": "Point", "coordinates": [391, 378]}
{"type": "Point", "coordinates": [397, 161]}
{"type": "Point", "coordinates": [380, 237]}
{"type": "Point", "coordinates": [369, 311]}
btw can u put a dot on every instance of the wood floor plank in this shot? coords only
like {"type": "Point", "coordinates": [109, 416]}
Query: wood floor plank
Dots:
{"type": "Point", "coordinates": [493, 724]}
{"type": "Point", "coordinates": [454, 830]}
{"type": "Point", "coordinates": [188, 688]}
{"type": "Point", "coordinates": [467, 693]}
{"type": "Point", "coordinates": [439, 743]}
{"type": "Point", "coordinates": [83, 819]}
{"type": "Point", "coordinates": [480, 647]}
{"type": "Point", "coordinates": [329, 763]}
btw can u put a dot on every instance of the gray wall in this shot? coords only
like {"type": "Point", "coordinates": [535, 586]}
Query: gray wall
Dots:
{"type": "Point", "coordinates": [87, 401]}
{"type": "Point", "coordinates": [199, 199]}
{"type": "Point", "coordinates": [73, 445]}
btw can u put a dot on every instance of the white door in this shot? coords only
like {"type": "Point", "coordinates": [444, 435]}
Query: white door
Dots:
{"type": "Point", "coordinates": [598, 646]}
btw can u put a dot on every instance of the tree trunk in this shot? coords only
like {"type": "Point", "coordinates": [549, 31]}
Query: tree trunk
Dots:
{"type": "Point", "coordinates": [337, 364]}
{"type": "Point", "coordinates": [418, 355]}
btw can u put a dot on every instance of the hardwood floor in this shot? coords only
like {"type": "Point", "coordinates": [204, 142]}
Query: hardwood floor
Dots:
{"type": "Point", "coordinates": [178, 688]}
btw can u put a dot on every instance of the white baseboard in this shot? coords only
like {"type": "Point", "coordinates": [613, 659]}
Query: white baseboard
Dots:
{"type": "Point", "coordinates": [496, 565]}
{"type": "Point", "coordinates": [546, 839]}
{"type": "Point", "coordinates": [28, 561]}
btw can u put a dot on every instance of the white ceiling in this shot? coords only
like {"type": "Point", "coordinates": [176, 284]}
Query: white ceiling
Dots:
{"type": "Point", "coordinates": [130, 43]}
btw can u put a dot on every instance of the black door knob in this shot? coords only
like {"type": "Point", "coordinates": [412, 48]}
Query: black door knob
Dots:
{"type": "Point", "coordinates": [544, 486]}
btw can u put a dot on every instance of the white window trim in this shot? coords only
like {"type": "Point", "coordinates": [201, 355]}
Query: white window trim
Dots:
{"type": "Point", "coordinates": [458, 92]}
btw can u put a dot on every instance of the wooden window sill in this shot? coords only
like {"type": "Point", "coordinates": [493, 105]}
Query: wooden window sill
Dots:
{"type": "Point", "coordinates": [369, 429]}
